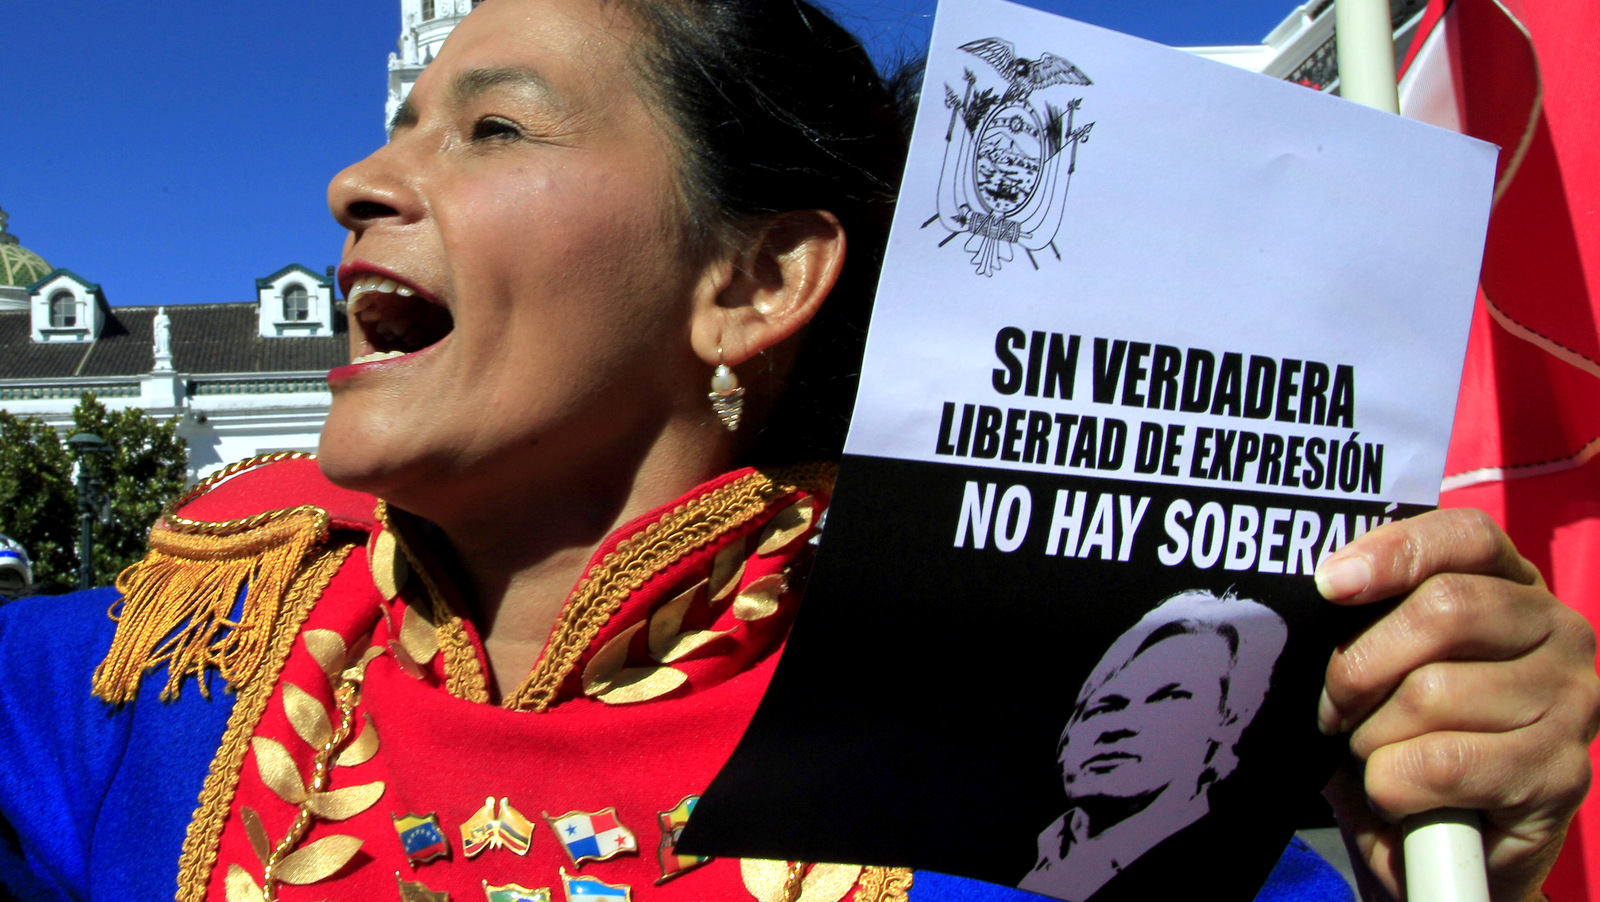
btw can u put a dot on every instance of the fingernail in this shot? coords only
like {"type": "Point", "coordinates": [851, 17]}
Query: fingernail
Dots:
{"type": "Point", "coordinates": [1343, 577]}
{"type": "Point", "coordinates": [1327, 715]}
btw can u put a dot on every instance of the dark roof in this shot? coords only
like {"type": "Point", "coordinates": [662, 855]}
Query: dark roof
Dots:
{"type": "Point", "coordinates": [206, 338]}
{"type": "Point", "coordinates": [324, 280]}
{"type": "Point", "coordinates": [91, 287]}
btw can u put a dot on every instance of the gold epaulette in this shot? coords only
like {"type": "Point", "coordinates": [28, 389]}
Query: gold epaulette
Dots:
{"type": "Point", "coordinates": [176, 602]}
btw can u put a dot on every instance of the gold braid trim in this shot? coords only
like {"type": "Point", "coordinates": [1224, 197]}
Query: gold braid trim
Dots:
{"type": "Point", "coordinates": [200, 844]}
{"type": "Point", "coordinates": [687, 527]}
{"type": "Point", "coordinates": [463, 677]}
{"type": "Point", "coordinates": [210, 482]}
{"type": "Point", "coordinates": [175, 602]}
{"type": "Point", "coordinates": [884, 885]}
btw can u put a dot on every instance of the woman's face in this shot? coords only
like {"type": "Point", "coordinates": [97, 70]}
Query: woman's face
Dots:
{"type": "Point", "coordinates": [528, 202]}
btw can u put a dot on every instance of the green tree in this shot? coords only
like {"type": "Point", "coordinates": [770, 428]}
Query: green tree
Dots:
{"type": "Point", "coordinates": [144, 466]}
{"type": "Point", "coordinates": [37, 506]}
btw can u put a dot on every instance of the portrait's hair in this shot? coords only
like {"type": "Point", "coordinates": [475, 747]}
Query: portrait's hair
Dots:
{"type": "Point", "coordinates": [1255, 636]}
{"type": "Point", "coordinates": [775, 107]}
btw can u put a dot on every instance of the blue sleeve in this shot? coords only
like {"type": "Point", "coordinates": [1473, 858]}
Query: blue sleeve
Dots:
{"type": "Point", "coordinates": [95, 799]}
{"type": "Point", "coordinates": [1302, 875]}
{"type": "Point", "coordinates": [59, 745]}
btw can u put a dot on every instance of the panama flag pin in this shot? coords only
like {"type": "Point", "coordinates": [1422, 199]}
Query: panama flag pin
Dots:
{"type": "Point", "coordinates": [592, 835]}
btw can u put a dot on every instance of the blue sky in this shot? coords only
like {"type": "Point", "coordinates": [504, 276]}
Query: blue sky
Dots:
{"type": "Point", "coordinates": [174, 152]}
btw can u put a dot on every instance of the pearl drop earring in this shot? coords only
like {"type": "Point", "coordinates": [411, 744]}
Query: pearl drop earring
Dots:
{"type": "Point", "coordinates": [727, 397]}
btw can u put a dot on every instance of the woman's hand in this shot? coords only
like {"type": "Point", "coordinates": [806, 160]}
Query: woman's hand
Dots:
{"type": "Point", "coordinates": [1478, 690]}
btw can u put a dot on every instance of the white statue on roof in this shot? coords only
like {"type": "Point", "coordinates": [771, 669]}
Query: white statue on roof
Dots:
{"type": "Point", "coordinates": [161, 328]}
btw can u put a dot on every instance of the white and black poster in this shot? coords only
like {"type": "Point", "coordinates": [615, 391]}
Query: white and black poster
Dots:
{"type": "Point", "coordinates": [1153, 337]}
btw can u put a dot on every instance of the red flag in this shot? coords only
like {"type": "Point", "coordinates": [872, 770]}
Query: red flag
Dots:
{"type": "Point", "coordinates": [1527, 429]}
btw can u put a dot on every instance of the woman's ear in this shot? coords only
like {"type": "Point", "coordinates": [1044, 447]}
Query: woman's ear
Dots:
{"type": "Point", "coordinates": [770, 289]}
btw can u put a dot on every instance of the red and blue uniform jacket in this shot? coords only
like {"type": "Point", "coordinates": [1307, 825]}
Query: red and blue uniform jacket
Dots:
{"type": "Point", "coordinates": [292, 703]}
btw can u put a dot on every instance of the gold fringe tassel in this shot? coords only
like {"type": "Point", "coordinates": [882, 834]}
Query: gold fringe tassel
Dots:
{"type": "Point", "coordinates": [175, 602]}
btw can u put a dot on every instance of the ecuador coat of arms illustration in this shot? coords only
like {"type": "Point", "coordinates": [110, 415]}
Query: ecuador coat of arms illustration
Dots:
{"type": "Point", "coordinates": [1008, 163]}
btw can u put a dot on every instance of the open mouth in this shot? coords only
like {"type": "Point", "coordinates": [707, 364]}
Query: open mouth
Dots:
{"type": "Point", "coordinates": [395, 319]}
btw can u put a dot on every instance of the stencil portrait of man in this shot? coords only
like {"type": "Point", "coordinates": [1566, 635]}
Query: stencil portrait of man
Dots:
{"type": "Point", "coordinates": [1155, 726]}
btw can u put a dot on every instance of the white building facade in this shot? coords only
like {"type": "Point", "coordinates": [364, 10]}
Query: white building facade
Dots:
{"type": "Point", "coordinates": [242, 378]}
{"type": "Point", "coordinates": [424, 24]}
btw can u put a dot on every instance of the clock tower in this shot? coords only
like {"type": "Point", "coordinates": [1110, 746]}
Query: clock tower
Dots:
{"type": "Point", "coordinates": [424, 24]}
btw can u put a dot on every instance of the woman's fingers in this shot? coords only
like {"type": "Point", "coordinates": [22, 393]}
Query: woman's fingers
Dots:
{"type": "Point", "coordinates": [1526, 783]}
{"type": "Point", "coordinates": [1373, 843]}
{"type": "Point", "coordinates": [1455, 696]}
{"type": "Point", "coordinates": [1525, 775]}
{"type": "Point", "coordinates": [1450, 617]}
{"type": "Point", "coordinates": [1477, 689]}
{"type": "Point", "coordinates": [1397, 557]}
{"type": "Point", "coordinates": [1517, 861]}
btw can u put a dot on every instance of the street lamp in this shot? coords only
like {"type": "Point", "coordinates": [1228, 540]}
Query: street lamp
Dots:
{"type": "Point", "coordinates": [86, 445]}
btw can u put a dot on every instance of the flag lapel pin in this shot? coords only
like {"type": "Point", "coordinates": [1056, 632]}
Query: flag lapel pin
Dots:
{"type": "Point", "coordinates": [592, 835]}
{"type": "Point", "coordinates": [484, 831]}
{"type": "Point", "coordinates": [588, 889]}
{"type": "Point", "coordinates": [512, 892]}
{"type": "Point", "coordinates": [672, 823]}
{"type": "Point", "coordinates": [412, 891]}
{"type": "Point", "coordinates": [421, 837]}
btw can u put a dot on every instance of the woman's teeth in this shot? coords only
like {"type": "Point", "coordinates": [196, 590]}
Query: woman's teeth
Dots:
{"type": "Point", "coordinates": [365, 286]}
{"type": "Point", "coordinates": [378, 355]}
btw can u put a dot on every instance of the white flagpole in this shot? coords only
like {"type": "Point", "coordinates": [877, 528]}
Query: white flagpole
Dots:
{"type": "Point", "coordinates": [1443, 848]}
{"type": "Point", "coordinates": [1365, 45]}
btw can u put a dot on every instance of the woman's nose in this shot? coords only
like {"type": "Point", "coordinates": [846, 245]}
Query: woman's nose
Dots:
{"type": "Point", "coordinates": [368, 193]}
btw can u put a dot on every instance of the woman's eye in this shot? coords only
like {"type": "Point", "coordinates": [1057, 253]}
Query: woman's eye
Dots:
{"type": "Point", "coordinates": [495, 129]}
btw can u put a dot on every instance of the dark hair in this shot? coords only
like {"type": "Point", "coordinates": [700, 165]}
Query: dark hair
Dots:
{"type": "Point", "coordinates": [778, 108]}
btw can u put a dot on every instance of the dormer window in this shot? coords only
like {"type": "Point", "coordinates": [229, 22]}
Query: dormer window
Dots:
{"type": "Point", "coordinates": [296, 304]}
{"type": "Point", "coordinates": [63, 310]}
{"type": "Point", "coordinates": [427, 10]}
{"type": "Point", "coordinates": [64, 306]}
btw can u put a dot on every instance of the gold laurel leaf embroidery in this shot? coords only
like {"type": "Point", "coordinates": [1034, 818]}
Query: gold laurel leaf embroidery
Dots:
{"type": "Point", "coordinates": [344, 803]}
{"type": "Point", "coordinates": [685, 644]}
{"type": "Point", "coordinates": [608, 661]}
{"type": "Point", "coordinates": [829, 882]}
{"type": "Point", "coordinates": [759, 600]}
{"type": "Point", "coordinates": [317, 861]}
{"type": "Point", "coordinates": [257, 832]}
{"type": "Point", "coordinates": [362, 749]}
{"type": "Point", "coordinates": [419, 637]}
{"type": "Point", "coordinates": [667, 622]}
{"type": "Point", "coordinates": [357, 672]}
{"type": "Point", "coordinates": [641, 684]}
{"type": "Point", "coordinates": [242, 887]}
{"type": "Point", "coordinates": [277, 770]}
{"type": "Point", "coordinates": [407, 663]}
{"type": "Point", "coordinates": [390, 569]}
{"type": "Point", "coordinates": [766, 880]}
{"type": "Point", "coordinates": [789, 524]}
{"type": "Point", "coordinates": [307, 715]}
{"type": "Point", "coordinates": [695, 524]}
{"type": "Point", "coordinates": [327, 648]}
{"type": "Point", "coordinates": [726, 570]}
